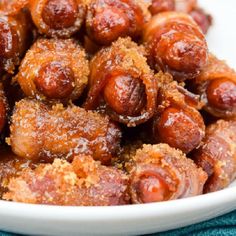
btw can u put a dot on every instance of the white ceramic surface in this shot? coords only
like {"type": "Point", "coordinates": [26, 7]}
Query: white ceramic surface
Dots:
{"type": "Point", "coordinates": [135, 219]}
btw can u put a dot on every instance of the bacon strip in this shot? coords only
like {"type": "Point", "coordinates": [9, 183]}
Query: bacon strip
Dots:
{"type": "Point", "coordinates": [162, 173]}
{"type": "Point", "coordinates": [82, 183]}
{"type": "Point", "coordinates": [217, 155]}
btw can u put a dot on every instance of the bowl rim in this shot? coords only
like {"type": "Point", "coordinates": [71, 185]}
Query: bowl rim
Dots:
{"type": "Point", "coordinates": [111, 213]}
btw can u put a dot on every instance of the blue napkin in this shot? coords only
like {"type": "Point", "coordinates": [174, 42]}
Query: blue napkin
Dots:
{"type": "Point", "coordinates": [6, 234]}
{"type": "Point", "coordinates": [221, 226]}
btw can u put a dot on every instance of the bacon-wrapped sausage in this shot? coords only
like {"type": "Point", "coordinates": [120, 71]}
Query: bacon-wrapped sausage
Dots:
{"type": "Point", "coordinates": [177, 122]}
{"type": "Point", "coordinates": [217, 155]}
{"type": "Point", "coordinates": [217, 87]}
{"type": "Point", "coordinates": [122, 83]}
{"type": "Point", "coordinates": [203, 19]}
{"type": "Point", "coordinates": [163, 173]}
{"type": "Point", "coordinates": [82, 183]}
{"type": "Point", "coordinates": [43, 132]}
{"type": "Point", "coordinates": [58, 18]}
{"type": "Point", "coordinates": [107, 20]}
{"type": "Point", "coordinates": [15, 36]}
{"type": "Point", "coordinates": [55, 69]}
{"type": "Point", "coordinates": [176, 44]}
{"type": "Point", "coordinates": [10, 166]}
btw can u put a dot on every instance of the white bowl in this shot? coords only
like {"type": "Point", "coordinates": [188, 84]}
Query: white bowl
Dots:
{"type": "Point", "coordinates": [118, 220]}
{"type": "Point", "coordinates": [135, 219]}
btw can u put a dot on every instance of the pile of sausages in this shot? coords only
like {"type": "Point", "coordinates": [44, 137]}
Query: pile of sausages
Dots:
{"type": "Point", "coordinates": [112, 102]}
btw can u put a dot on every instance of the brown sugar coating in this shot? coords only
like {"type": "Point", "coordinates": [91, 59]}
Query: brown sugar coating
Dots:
{"type": "Point", "coordinates": [107, 20]}
{"type": "Point", "coordinates": [13, 7]}
{"type": "Point", "coordinates": [82, 183]}
{"type": "Point", "coordinates": [177, 121]}
{"type": "Point", "coordinates": [15, 36]}
{"type": "Point", "coordinates": [217, 87]}
{"type": "Point", "coordinates": [10, 166]}
{"type": "Point", "coordinates": [122, 83]}
{"type": "Point", "coordinates": [43, 132]}
{"type": "Point", "coordinates": [163, 173]}
{"type": "Point", "coordinates": [217, 155]}
{"type": "Point", "coordinates": [54, 69]}
{"type": "Point", "coordinates": [58, 18]}
{"type": "Point", "coordinates": [176, 45]}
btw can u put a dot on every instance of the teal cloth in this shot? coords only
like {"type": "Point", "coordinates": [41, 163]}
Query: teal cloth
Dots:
{"type": "Point", "coordinates": [6, 234]}
{"type": "Point", "coordinates": [220, 226]}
